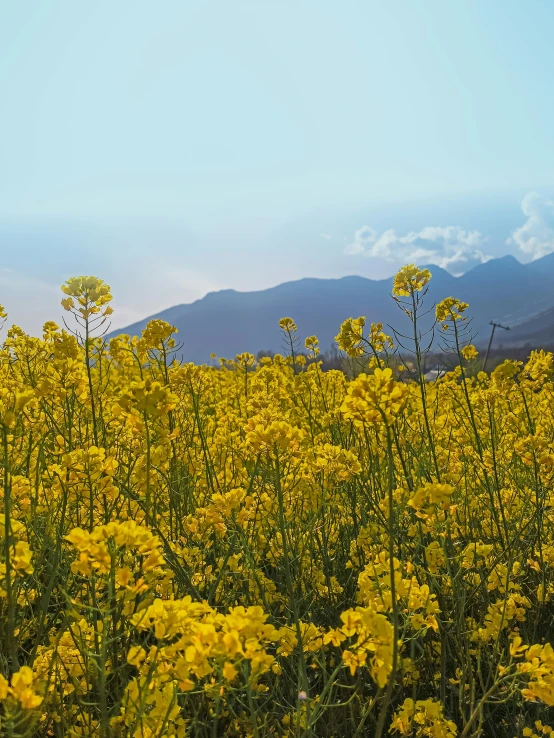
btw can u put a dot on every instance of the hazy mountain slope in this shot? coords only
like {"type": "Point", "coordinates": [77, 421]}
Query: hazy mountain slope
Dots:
{"type": "Point", "coordinates": [537, 331]}
{"type": "Point", "coordinates": [229, 322]}
{"type": "Point", "coordinates": [504, 289]}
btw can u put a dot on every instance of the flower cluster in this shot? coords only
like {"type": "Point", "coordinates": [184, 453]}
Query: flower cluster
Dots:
{"type": "Point", "coordinates": [375, 398]}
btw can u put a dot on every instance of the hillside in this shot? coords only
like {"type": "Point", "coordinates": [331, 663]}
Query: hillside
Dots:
{"type": "Point", "coordinates": [536, 330]}
{"type": "Point", "coordinates": [228, 322]}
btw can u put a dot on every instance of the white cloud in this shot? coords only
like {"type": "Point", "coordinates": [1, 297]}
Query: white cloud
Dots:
{"type": "Point", "coordinates": [364, 240]}
{"type": "Point", "coordinates": [326, 236]}
{"type": "Point", "coordinates": [536, 235]}
{"type": "Point", "coordinates": [449, 247]}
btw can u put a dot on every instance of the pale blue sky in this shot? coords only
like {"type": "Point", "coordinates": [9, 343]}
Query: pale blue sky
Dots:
{"type": "Point", "coordinates": [175, 147]}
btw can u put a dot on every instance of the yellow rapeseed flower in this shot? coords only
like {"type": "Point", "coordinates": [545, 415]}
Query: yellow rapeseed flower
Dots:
{"type": "Point", "coordinates": [410, 279]}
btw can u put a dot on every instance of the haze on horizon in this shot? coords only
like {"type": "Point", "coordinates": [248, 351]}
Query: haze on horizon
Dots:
{"type": "Point", "coordinates": [177, 148]}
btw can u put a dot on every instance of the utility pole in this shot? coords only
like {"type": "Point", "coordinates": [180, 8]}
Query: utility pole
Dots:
{"type": "Point", "coordinates": [494, 327]}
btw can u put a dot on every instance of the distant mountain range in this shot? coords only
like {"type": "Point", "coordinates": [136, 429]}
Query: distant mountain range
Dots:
{"type": "Point", "coordinates": [229, 322]}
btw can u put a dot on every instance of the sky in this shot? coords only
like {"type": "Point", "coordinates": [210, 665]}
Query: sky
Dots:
{"type": "Point", "coordinates": [180, 147]}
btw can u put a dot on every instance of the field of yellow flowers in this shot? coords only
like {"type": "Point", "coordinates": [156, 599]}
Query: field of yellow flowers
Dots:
{"type": "Point", "coordinates": [266, 549]}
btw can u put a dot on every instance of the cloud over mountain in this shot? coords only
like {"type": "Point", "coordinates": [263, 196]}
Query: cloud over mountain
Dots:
{"type": "Point", "coordinates": [450, 247]}
{"type": "Point", "coordinates": [536, 235]}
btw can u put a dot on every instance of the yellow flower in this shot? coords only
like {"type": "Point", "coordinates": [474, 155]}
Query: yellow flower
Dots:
{"type": "Point", "coordinates": [158, 333]}
{"type": "Point", "coordinates": [229, 671]}
{"type": "Point", "coordinates": [150, 397]}
{"type": "Point", "coordinates": [425, 718]}
{"type": "Point", "coordinates": [350, 338]}
{"type": "Point", "coordinates": [288, 325]}
{"type": "Point", "coordinates": [21, 688]}
{"type": "Point", "coordinates": [266, 435]}
{"type": "Point", "coordinates": [136, 656]}
{"type": "Point", "coordinates": [469, 352]}
{"type": "Point", "coordinates": [410, 279]}
{"type": "Point", "coordinates": [90, 293]}
{"type": "Point", "coordinates": [375, 398]}
{"type": "Point", "coordinates": [516, 647]}
{"type": "Point", "coordinates": [22, 557]}
{"type": "Point", "coordinates": [540, 365]}
{"type": "Point", "coordinates": [432, 493]}
{"type": "Point", "coordinates": [312, 345]}
{"type": "Point", "coordinates": [450, 309]}
{"type": "Point", "coordinates": [68, 303]}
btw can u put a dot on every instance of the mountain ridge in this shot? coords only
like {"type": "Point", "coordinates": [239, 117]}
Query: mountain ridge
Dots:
{"type": "Point", "coordinates": [227, 322]}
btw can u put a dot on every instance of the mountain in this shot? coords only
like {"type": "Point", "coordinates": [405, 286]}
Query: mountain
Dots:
{"type": "Point", "coordinates": [229, 322]}
{"type": "Point", "coordinates": [536, 330]}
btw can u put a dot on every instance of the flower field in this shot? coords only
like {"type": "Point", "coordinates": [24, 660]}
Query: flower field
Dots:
{"type": "Point", "coordinates": [262, 548]}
